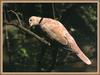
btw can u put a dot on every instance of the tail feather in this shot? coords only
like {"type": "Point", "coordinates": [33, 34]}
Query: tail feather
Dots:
{"type": "Point", "coordinates": [84, 58]}
{"type": "Point", "coordinates": [79, 52]}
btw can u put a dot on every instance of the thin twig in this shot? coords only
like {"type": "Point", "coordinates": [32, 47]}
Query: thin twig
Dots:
{"type": "Point", "coordinates": [53, 10]}
{"type": "Point", "coordinates": [19, 21]}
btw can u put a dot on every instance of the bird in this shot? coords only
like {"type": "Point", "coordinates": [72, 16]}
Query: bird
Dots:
{"type": "Point", "coordinates": [58, 32]}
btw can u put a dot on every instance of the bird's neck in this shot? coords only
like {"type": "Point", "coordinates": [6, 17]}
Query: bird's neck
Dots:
{"type": "Point", "coordinates": [41, 19]}
{"type": "Point", "coordinates": [38, 19]}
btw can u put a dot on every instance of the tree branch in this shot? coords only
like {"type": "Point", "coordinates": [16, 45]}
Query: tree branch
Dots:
{"type": "Point", "coordinates": [26, 30]}
{"type": "Point", "coordinates": [31, 33]}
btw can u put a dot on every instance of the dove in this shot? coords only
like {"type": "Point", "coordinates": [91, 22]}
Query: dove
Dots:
{"type": "Point", "coordinates": [58, 32]}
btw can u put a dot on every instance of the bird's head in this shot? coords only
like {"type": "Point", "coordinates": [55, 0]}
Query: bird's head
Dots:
{"type": "Point", "coordinates": [33, 21]}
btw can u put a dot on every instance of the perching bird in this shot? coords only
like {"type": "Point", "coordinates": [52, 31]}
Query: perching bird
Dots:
{"type": "Point", "coordinates": [58, 32]}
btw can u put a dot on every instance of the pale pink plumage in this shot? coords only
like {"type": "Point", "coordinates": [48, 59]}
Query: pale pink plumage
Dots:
{"type": "Point", "coordinates": [57, 31]}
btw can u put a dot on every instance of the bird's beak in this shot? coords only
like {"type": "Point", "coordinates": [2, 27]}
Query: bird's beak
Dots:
{"type": "Point", "coordinates": [32, 27]}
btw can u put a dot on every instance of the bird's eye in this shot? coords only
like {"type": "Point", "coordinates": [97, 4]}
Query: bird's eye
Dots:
{"type": "Point", "coordinates": [30, 20]}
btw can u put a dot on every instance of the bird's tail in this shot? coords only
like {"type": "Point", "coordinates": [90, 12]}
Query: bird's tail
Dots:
{"type": "Point", "coordinates": [79, 52]}
{"type": "Point", "coordinates": [83, 57]}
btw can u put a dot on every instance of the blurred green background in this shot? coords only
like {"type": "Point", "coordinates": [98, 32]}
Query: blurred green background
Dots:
{"type": "Point", "coordinates": [24, 53]}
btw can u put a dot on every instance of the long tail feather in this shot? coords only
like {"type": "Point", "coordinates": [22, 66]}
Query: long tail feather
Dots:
{"type": "Point", "coordinates": [84, 58]}
{"type": "Point", "coordinates": [78, 51]}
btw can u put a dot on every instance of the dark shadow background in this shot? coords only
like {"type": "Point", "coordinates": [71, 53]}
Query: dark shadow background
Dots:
{"type": "Point", "coordinates": [24, 53]}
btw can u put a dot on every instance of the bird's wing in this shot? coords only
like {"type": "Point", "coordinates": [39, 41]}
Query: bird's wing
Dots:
{"type": "Point", "coordinates": [56, 31]}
